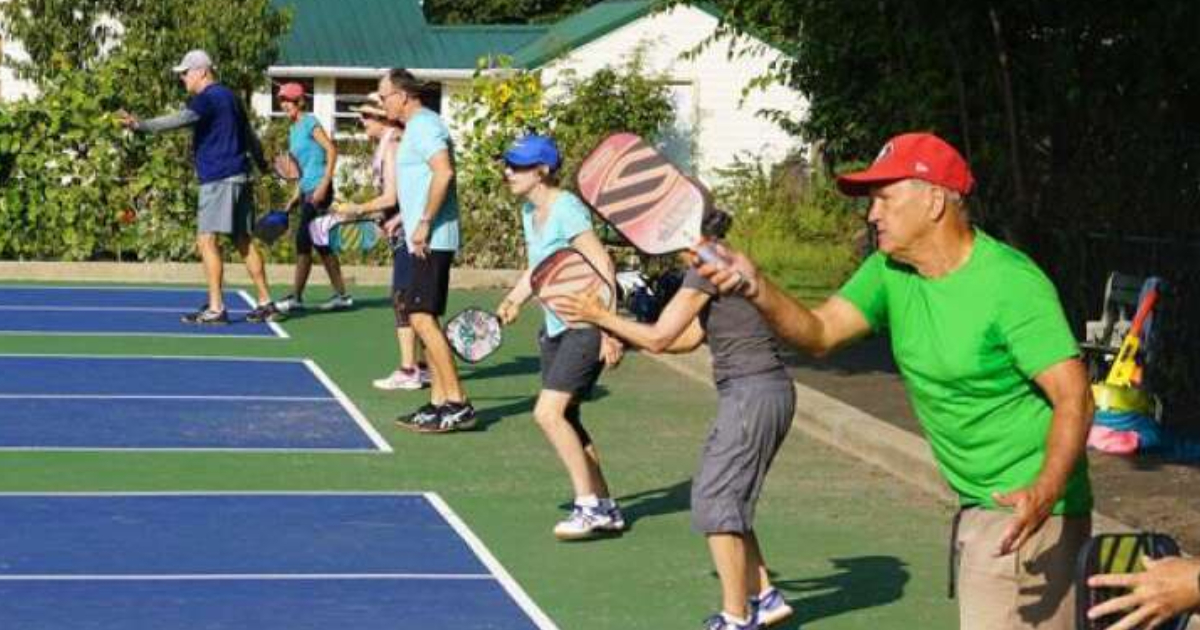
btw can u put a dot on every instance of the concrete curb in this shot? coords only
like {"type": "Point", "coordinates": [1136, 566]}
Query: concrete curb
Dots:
{"type": "Point", "coordinates": [235, 273]}
{"type": "Point", "coordinates": [857, 433]}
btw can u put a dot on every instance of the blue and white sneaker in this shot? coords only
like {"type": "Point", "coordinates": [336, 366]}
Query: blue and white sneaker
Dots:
{"type": "Point", "coordinates": [721, 622]}
{"type": "Point", "coordinates": [616, 520]}
{"type": "Point", "coordinates": [770, 609]}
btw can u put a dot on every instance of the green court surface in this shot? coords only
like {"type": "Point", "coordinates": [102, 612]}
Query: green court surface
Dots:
{"type": "Point", "coordinates": [851, 546]}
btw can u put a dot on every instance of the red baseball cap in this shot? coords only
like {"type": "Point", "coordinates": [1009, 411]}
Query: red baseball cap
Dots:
{"type": "Point", "coordinates": [291, 92]}
{"type": "Point", "coordinates": [921, 156]}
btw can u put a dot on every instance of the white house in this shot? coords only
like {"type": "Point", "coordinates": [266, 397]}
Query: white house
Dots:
{"type": "Point", "coordinates": [339, 49]}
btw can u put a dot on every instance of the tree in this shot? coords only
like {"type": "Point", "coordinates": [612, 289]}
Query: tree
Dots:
{"type": "Point", "coordinates": [1080, 118]}
{"type": "Point", "coordinates": [73, 184]}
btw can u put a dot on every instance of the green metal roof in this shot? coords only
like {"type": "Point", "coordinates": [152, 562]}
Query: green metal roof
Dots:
{"type": "Point", "coordinates": [395, 33]}
{"type": "Point", "coordinates": [579, 29]}
{"type": "Point", "coordinates": [389, 33]}
{"type": "Point", "coordinates": [589, 25]}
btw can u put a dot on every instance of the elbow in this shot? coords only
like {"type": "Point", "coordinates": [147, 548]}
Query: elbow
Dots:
{"type": "Point", "coordinates": [657, 346]}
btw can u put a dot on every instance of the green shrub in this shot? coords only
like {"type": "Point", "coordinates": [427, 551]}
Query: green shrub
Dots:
{"type": "Point", "coordinates": [499, 107]}
{"type": "Point", "coordinates": [794, 223]}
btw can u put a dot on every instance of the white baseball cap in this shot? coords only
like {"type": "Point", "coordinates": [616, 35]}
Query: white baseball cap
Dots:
{"type": "Point", "coordinates": [193, 60]}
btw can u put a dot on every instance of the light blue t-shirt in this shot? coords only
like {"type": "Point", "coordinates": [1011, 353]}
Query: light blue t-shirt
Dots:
{"type": "Point", "coordinates": [425, 135]}
{"type": "Point", "coordinates": [568, 218]}
{"type": "Point", "coordinates": [309, 153]}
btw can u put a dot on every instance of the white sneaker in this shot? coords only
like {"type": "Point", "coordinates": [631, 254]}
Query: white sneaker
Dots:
{"type": "Point", "coordinates": [770, 609]}
{"type": "Point", "coordinates": [289, 304]}
{"type": "Point", "coordinates": [338, 302]}
{"type": "Point", "coordinates": [585, 523]}
{"type": "Point", "coordinates": [399, 379]}
{"type": "Point", "coordinates": [616, 520]}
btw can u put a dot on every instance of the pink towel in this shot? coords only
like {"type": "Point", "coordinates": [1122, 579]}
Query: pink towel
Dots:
{"type": "Point", "coordinates": [1108, 440]}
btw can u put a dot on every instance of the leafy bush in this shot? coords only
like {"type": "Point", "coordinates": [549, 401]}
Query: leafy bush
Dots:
{"type": "Point", "coordinates": [73, 184]}
{"type": "Point", "coordinates": [794, 223]}
{"type": "Point", "coordinates": [499, 107]}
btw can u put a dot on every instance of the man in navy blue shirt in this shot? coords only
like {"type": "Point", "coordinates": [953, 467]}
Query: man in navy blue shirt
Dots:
{"type": "Point", "coordinates": [221, 140]}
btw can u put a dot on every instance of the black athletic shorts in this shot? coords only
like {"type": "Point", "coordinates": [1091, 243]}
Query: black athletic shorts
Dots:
{"type": "Point", "coordinates": [430, 283]}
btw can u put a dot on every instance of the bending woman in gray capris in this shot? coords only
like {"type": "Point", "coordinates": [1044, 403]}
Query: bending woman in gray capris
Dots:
{"type": "Point", "coordinates": [754, 412]}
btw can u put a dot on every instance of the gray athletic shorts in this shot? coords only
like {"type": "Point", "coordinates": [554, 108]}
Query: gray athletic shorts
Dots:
{"type": "Point", "coordinates": [226, 207]}
{"type": "Point", "coordinates": [571, 360]}
{"type": "Point", "coordinates": [754, 414]}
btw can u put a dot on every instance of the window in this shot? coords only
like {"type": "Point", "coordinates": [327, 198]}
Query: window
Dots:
{"type": "Point", "coordinates": [350, 92]}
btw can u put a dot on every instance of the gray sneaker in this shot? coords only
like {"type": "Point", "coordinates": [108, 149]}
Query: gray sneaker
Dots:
{"type": "Point", "coordinates": [339, 302]}
{"type": "Point", "coordinates": [289, 304]}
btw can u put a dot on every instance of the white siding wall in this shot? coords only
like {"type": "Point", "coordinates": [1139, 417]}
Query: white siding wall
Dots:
{"type": "Point", "coordinates": [709, 86]}
{"type": "Point", "coordinates": [12, 88]}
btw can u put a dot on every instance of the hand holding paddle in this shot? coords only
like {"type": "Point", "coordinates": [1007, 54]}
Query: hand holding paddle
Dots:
{"type": "Point", "coordinates": [1168, 588]}
{"type": "Point", "coordinates": [582, 307]}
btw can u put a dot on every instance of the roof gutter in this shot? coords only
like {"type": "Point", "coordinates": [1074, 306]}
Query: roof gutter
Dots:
{"type": "Point", "coordinates": [347, 72]}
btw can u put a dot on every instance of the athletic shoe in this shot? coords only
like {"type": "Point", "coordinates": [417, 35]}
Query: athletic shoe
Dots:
{"type": "Point", "coordinates": [585, 523]}
{"type": "Point", "coordinates": [206, 317]}
{"type": "Point", "coordinates": [451, 416]}
{"type": "Point", "coordinates": [426, 377]}
{"type": "Point", "coordinates": [265, 313]}
{"type": "Point", "coordinates": [454, 416]}
{"type": "Point", "coordinates": [409, 379]}
{"type": "Point", "coordinates": [770, 609]}
{"type": "Point", "coordinates": [339, 302]}
{"type": "Point", "coordinates": [616, 519]}
{"type": "Point", "coordinates": [289, 304]}
{"type": "Point", "coordinates": [720, 622]}
{"type": "Point", "coordinates": [424, 415]}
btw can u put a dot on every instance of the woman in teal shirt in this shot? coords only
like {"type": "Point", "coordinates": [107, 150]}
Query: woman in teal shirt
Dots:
{"type": "Point", "coordinates": [571, 358]}
{"type": "Point", "coordinates": [314, 152]}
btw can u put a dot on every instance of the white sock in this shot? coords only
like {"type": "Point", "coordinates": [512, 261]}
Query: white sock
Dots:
{"type": "Point", "coordinates": [766, 591]}
{"type": "Point", "coordinates": [587, 501]}
{"type": "Point", "coordinates": [734, 620]}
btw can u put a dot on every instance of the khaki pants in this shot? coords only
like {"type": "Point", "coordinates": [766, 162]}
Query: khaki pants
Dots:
{"type": "Point", "coordinates": [1033, 587]}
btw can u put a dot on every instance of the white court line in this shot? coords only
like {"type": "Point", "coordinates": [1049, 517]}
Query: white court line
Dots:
{"type": "Point", "coordinates": [107, 309]}
{"type": "Point", "coordinates": [540, 619]}
{"type": "Point", "coordinates": [165, 357]}
{"type": "Point", "coordinates": [275, 327]}
{"type": "Point", "coordinates": [305, 450]}
{"type": "Point", "coordinates": [206, 335]}
{"type": "Point", "coordinates": [108, 287]}
{"type": "Point", "coordinates": [214, 493]}
{"type": "Point", "coordinates": [348, 405]}
{"type": "Point", "coordinates": [4, 396]}
{"type": "Point", "coordinates": [217, 577]}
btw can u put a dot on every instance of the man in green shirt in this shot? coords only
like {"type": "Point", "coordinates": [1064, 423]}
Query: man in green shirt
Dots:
{"type": "Point", "coordinates": [991, 369]}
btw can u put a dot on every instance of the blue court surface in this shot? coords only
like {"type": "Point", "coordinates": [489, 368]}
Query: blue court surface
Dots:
{"type": "Point", "coordinates": [30, 310]}
{"type": "Point", "coordinates": [201, 403]}
{"type": "Point", "coordinates": [291, 561]}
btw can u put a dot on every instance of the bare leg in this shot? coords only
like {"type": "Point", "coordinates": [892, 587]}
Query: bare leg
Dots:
{"type": "Point", "coordinates": [584, 470]}
{"type": "Point", "coordinates": [255, 267]}
{"type": "Point", "coordinates": [300, 280]}
{"type": "Point", "coordinates": [757, 578]}
{"type": "Point", "coordinates": [210, 258]}
{"type": "Point", "coordinates": [407, 340]}
{"type": "Point", "coordinates": [729, 556]}
{"type": "Point", "coordinates": [444, 375]}
{"type": "Point", "coordinates": [333, 268]}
